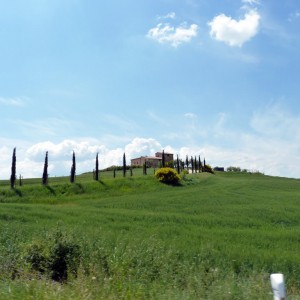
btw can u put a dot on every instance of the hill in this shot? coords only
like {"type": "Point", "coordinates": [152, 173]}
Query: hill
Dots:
{"type": "Point", "coordinates": [213, 237]}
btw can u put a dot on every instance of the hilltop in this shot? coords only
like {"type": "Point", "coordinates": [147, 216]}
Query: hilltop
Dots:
{"type": "Point", "coordinates": [213, 237]}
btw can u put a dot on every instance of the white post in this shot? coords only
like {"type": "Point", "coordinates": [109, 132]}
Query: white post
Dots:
{"type": "Point", "coordinates": [277, 282]}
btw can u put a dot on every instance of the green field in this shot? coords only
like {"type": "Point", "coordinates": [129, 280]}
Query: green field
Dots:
{"type": "Point", "coordinates": [212, 237]}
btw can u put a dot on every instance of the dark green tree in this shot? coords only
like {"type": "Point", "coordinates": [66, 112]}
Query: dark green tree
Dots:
{"type": "Point", "coordinates": [178, 165]}
{"type": "Point", "coordinates": [45, 171]}
{"type": "Point", "coordinates": [196, 164]}
{"type": "Point", "coordinates": [163, 159]}
{"type": "Point", "coordinates": [124, 165]}
{"type": "Point", "coordinates": [73, 169]}
{"type": "Point", "coordinates": [187, 163]}
{"type": "Point", "coordinates": [204, 166]}
{"type": "Point", "coordinates": [192, 163]}
{"type": "Point", "coordinates": [200, 164]}
{"type": "Point", "coordinates": [181, 164]}
{"type": "Point", "coordinates": [97, 168]}
{"type": "Point", "coordinates": [13, 169]}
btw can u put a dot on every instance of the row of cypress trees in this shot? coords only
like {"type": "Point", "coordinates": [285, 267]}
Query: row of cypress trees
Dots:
{"type": "Point", "coordinates": [194, 164]}
{"type": "Point", "coordinates": [45, 176]}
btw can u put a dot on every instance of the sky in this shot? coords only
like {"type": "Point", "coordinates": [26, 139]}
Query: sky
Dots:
{"type": "Point", "coordinates": [219, 79]}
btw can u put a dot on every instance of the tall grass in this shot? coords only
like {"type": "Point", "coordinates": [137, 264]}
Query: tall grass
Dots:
{"type": "Point", "coordinates": [213, 237]}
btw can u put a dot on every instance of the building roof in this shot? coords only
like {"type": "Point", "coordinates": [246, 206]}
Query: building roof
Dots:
{"type": "Point", "coordinates": [147, 157]}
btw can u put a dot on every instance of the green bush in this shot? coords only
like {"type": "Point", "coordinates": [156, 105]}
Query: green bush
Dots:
{"type": "Point", "coordinates": [233, 169]}
{"type": "Point", "coordinates": [208, 169]}
{"type": "Point", "coordinates": [57, 258]}
{"type": "Point", "coordinates": [183, 174]}
{"type": "Point", "coordinates": [167, 175]}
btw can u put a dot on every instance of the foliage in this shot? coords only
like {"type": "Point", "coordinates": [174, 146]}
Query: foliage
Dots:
{"type": "Point", "coordinates": [144, 169]}
{"type": "Point", "coordinates": [169, 164]}
{"type": "Point", "coordinates": [207, 168]}
{"type": "Point", "coordinates": [124, 165]}
{"type": "Point", "coordinates": [163, 159]}
{"type": "Point", "coordinates": [97, 168]}
{"type": "Point", "coordinates": [184, 174]}
{"type": "Point", "coordinates": [200, 164]}
{"type": "Point", "coordinates": [45, 171]}
{"type": "Point", "coordinates": [177, 165]}
{"type": "Point", "coordinates": [239, 170]}
{"type": "Point", "coordinates": [192, 164]}
{"type": "Point", "coordinates": [58, 257]}
{"type": "Point", "coordinates": [187, 162]}
{"type": "Point", "coordinates": [167, 175]}
{"type": "Point", "coordinates": [233, 169]}
{"type": "Point", "coordinates": [73, 169]}
{"type": "Point", "coordinates": [13, 170]}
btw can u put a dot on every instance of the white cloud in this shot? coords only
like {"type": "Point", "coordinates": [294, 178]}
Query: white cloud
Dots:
{"type": "Point", "coordinates": [276, 122]}
{"type": "Point", "coordinates": [271, 146]}
{"type": "Point", "coordinates": [171, 15]}
{"type": "Point", "coordinates": [13, 101]}
{"type": "Point", "coordinates": [165, 33]}
{"type": "Point", "coordinates": [251, 2]}
{"type": "Point", "coordinates": [234, 32]}
{"type": "Point", "coordinates": [142, 146]}
{"type": "Point", "coordinates": [30, 159]}
{"type": "Point", "coordinates": [190, 115]}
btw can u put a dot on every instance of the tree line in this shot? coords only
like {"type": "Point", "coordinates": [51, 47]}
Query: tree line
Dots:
{"type": "Point", "coordinates": [194, 164]}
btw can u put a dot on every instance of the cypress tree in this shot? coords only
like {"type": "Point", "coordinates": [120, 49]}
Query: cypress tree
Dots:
{"type": "Point", "coordinates": [200, 164]}
{"type": "Point", "coordinates": [13, 169]}
{"type": "Point", "coordinates": [124, 165]}
{"type": "Point", "coordinates": [192, 163]}
{"type": "Point", "coordinates": [163, 159]}
{"type": "Point", "coordinates": [97, 168]}
{"type": "Point", "coordinates": [187, 163]}
{"type": "Point", "coordinates": [178, 165]}
{"type": "Point", "coordinates": [181, 164]}
{"type": "Point", "coordinates": [73, 169]}
{"type": "Point", "coordinates": [204, 166]}
{"type": "Point", "coordinates": [196, 165]}
{"type": "Point", "coordinates": [45, 172]}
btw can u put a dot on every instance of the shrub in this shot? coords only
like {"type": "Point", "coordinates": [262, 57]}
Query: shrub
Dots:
{"type": "Point", "coordinates": [167, 175]}
{"type": "Point", "coordinates": [183, 174]}
{"type": "Point", "coordinates": [58, 258]}
{"type": "Point", "coordinates": [233, 169]}
{"type": "Point", "coordinates": [170, 164]}
{"type": "Point", "coordinates": [208, 169]}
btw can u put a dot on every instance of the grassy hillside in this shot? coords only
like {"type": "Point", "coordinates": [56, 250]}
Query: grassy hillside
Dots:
{"type": "Point", "coordinates": [214, 237]}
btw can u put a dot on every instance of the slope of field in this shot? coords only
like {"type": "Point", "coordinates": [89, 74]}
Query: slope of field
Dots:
{"type": "Point", "coordinates": [213, 237]}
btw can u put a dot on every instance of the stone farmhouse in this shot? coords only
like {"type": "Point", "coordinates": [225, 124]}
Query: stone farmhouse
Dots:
{"type": "Point", "coordinates": [152, 161]}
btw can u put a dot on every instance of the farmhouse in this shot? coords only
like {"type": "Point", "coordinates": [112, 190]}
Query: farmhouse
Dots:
{"type": "Point", "coordinates": [152, 161]}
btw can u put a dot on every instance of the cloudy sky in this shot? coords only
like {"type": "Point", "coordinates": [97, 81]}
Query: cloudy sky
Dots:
{"type": "Point", "coordinates": [215, 78]}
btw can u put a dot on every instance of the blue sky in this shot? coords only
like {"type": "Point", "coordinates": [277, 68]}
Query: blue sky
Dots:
{"type": "Point", "coordinates": [215, 78]}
